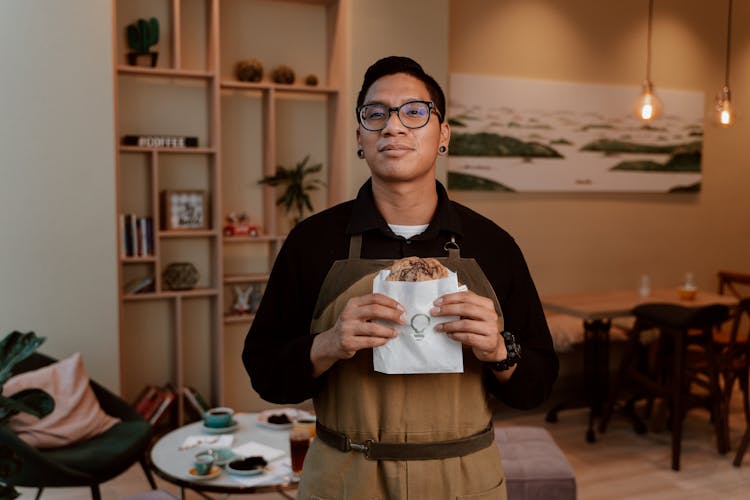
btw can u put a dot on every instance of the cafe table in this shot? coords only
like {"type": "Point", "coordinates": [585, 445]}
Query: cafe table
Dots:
{"type": "Point", "coordinates": [172, 461]}
{"type": "Point", "coordinates": [596, 310]}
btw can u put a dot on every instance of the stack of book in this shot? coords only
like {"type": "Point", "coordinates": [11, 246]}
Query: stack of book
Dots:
{"type": "Point", "coordinates": [136, 235]}
{"type": "Point", "coordinates": [156, 404]}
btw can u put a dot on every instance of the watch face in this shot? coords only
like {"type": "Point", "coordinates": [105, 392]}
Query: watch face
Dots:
{"type": "Point", "coordinates": [513, 348]}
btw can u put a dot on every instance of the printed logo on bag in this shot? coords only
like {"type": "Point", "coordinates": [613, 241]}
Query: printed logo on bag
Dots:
{"type": "Point", "coordinates": [419, 323]}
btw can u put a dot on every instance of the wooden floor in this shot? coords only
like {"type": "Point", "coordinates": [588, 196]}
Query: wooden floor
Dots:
{"type": "Point", "coordinates": [620, 465]}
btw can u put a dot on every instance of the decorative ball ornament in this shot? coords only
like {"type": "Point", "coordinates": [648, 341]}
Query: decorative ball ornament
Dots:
{"type": "Point", "coordinates": [311, 80]}
{"type": "Point", "coordinates": [180, 276]}
{"type": "Point", "coordinates": [282, 74]}
{"type": "Point", "coordinates": [250, 70]}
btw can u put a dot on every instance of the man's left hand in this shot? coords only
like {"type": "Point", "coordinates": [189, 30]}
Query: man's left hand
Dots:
{"type": "Point", "coordinates": [477, 324]}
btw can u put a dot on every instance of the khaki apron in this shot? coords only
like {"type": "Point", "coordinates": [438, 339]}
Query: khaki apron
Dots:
{"type": "Point", "coordinates": [365, 404]}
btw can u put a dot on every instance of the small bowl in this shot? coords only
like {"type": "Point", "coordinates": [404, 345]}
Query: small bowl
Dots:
{"type": "Point", "coordinates": [687, 293]}
{"type": "Point", "coordinates": [249, 466]}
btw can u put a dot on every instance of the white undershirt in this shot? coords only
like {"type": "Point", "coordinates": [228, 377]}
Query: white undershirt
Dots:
{"type": "Point", "coordinates": [408, 231]}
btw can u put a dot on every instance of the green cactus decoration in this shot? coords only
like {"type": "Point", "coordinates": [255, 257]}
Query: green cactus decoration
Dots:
{"type": "Point", "coordinates": [143, 34]}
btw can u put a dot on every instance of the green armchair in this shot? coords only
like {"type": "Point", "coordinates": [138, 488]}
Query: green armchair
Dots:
{"type": "Point", "coordinates": [88, 463]}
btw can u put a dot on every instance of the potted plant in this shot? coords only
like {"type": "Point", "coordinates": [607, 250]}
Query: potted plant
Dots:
{"type": "Point", "coordinates": [295, 198]}
{"type": "Point", "coordinates": [14, 348]}
{"type": "Point", "coordinates": [142, 35]}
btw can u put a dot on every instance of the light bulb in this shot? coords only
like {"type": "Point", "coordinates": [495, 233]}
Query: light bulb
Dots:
{"type": "Point", "coordinates": [724, 110]}
{"type": "Point", "coordinates": [647, 105]}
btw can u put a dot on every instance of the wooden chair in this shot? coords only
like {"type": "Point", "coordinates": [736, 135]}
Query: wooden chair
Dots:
{"type": "Point", "coordinates": [673, 369]}
{"type": "Point", "coordinates": [735, 366]}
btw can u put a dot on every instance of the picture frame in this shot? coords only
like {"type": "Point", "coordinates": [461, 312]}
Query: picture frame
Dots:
{"type": "Point", "coordinates": [183, 210]}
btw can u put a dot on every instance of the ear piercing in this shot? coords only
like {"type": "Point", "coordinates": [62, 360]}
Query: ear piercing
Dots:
{"type": "Point", "coordinates": [442, 150]}
{"type": "Point", "coordinates": [360, 153]}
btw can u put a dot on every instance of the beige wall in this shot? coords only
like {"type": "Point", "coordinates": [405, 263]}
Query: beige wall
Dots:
{"type": "Point", "coordinates": [58, 274]}
{"type": "Point", "coordinates": [598, 241]}
{"type": "Point", "coordinates": [414, 28]}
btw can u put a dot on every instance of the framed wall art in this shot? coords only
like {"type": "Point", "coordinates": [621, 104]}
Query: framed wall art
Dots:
{"type": "Point", "coordinates": [521, 135]}
{"type": "Point", "coordinates": [183, 209]}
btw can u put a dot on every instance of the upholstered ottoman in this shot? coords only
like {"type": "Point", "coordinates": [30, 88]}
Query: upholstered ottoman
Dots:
{"type": "Point", "coordinates": [535, 468]}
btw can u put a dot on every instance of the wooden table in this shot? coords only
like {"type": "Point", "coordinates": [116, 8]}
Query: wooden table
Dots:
{"type": "Point", "coordinates": [173, 464]}
{"type": "Point", "coordinates": [597, 309]}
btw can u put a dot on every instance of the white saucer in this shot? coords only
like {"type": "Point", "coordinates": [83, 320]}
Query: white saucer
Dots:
{"type": "Point", "coordinates": [214, 472]}
{"type": "Point", "coordinates": [220, 430]}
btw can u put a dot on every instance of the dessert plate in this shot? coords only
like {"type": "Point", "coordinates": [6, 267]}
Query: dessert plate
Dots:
{"type": "Point", "coordinates": [245, 472]}
{"type": "Point", "coordinates": [291, 413]}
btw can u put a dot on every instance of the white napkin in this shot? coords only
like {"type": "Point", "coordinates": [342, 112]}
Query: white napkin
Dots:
{"type": "Point", "coordinates": [418, 347]}
{"type": "Point", "coordinates": [224, 441]}
{"type": "Point", "coordinates": [252, 449]}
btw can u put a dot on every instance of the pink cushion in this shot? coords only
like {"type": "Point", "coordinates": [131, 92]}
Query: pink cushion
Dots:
{"type": "Point", "coordinates": [77, 415]}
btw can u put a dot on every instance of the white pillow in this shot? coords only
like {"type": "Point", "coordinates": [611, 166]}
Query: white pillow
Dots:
{"type": "Point", "coordinates": [77, 415]}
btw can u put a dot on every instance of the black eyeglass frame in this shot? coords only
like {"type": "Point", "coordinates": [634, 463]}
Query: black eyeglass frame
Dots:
{"type": "Point", "coordinates": [397, 109]}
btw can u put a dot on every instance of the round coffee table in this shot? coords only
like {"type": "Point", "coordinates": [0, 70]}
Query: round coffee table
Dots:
{"type": "Point", "coordinates": [173, 464]}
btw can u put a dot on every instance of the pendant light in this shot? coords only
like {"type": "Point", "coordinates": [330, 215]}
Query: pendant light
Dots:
{"type": "Point", "coordinates": [648, 105]}
{"type": "Point", "coordinates": [725, 115]}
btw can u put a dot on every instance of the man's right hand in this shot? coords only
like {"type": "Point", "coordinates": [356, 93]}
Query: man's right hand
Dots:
{"type": "Point", "coordinates": [355, 330]}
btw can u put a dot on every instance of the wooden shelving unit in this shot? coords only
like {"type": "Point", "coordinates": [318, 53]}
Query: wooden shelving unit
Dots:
{"type": "Point", "coordinates": [245, 129]}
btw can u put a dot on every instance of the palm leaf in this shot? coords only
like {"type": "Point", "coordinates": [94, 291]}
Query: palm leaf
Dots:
{"type": "Point", "coordinates": [295, 199]}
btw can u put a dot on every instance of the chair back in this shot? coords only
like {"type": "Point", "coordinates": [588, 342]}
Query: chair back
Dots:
{"type": "Point", "coordinates": [740, 323]}
{"type": "Point", "coordinates": [737, 284]}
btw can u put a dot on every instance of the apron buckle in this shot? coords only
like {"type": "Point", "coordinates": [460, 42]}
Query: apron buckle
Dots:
{"type": "Point", "coordinates": [361, 447]}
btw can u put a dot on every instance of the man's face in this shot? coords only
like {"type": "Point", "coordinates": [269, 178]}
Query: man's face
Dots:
{"type": "Point", "coordinates": [398, 153]}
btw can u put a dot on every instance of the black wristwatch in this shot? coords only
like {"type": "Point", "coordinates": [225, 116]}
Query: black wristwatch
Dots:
{"type": "Point", "coordinates": [514, 353]}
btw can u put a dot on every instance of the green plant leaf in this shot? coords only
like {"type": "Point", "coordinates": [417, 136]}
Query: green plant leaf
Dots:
{"type": "Point", "coordinates": [15, 347]}
{"type": "Point", "coordinates": [32, 401]}
{"type": "Point", "coordinates": [295, 199]}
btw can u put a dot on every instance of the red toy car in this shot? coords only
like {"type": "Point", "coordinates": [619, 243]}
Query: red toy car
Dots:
{"type": "Point", "coordinates": [240, 229]}
{"type": "Point", "coordinates": [238, 225]}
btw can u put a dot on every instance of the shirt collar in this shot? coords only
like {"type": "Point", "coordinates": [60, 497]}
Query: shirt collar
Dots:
{"type": "Point", "coordinates": [366, 217]}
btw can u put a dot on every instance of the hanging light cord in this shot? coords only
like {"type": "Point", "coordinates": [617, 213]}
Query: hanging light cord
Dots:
{"type": "Point", "coordinates": [729, 42]}
{"type": "Point", "coordinates": [648, 40]}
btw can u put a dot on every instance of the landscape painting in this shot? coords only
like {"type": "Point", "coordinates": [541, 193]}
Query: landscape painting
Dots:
{"type": "Point", "coordinates": [543, 136]}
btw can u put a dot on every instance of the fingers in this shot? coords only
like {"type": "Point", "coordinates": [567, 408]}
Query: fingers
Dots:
{"type": "Point", "coordinates": [466, 305]}
{"type": "Point", "coordinates": [373, 306]}
{"type": "Point", "coordinates": [356, 329]}
{"type": "Point", "coordinates": [477, 324]}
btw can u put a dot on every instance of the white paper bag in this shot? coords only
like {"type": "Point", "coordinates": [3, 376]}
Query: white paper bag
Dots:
{"type": "Point", "coordinates": [418, 347]}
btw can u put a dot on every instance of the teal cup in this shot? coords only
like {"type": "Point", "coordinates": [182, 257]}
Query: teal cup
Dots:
{"type": "Point", "coordinates": [203, 462]}
{"type": "Point", "coordinates": [223, 456]}
{"type": "Point", "coordinates": [218, 417]}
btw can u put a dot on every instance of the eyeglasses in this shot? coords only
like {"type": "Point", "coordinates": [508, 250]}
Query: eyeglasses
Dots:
{"type": "Point", "coordinates": [412, 114]}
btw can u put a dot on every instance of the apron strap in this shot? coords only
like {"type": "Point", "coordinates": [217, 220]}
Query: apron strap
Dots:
{"type": "Point", "coordinates": [355, 246]}
{"type": "Point", "coordinates": [454, 251]}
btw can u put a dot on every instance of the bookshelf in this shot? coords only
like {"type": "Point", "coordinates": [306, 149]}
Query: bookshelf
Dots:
{"type": "Point", "coordinates": [244, 131]}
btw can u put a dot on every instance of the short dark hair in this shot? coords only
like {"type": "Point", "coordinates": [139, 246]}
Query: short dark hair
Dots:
{"type": "Point", "coordinates": [392, 65]}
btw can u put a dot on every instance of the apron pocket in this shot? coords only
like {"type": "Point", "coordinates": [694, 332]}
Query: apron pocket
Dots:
{"type": "Point", "coordinates": [496, 493]}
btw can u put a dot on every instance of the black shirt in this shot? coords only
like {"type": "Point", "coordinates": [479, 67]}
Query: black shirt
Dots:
{"type": "Point", "coordinates": [277, 347]}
